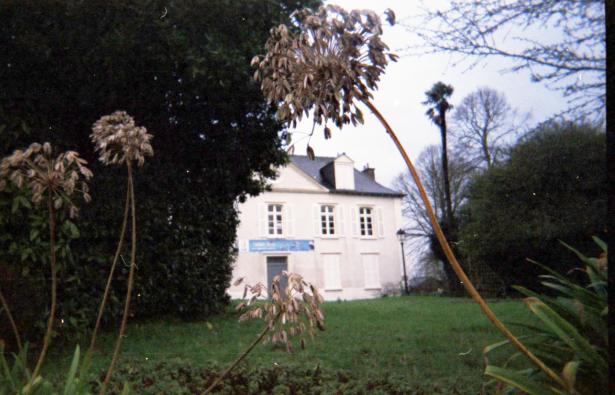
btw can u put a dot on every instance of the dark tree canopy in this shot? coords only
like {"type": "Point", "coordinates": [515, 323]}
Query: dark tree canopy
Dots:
{"type": "Point", "coordinates": [181, 69]}
{"type": "Point", "coordinates": [553, 187]}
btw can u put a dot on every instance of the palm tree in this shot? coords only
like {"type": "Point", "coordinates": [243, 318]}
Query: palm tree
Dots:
{"type": "Point", "coordinates": [437, 99]}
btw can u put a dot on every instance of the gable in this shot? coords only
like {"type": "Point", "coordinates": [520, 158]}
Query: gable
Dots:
{"type": "Point", "coordinates": [291, 177]}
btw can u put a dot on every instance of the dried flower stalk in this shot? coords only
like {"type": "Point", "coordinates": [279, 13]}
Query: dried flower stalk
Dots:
{"type": "Point", "coordinates": [57, 178]}
{"type": "Point", "coordinates": [327, 62]}
{"type": "Point", "coordinates": [7, 311]}
{"type": "Point", "coordinates": [120, 141]}
{"type": "Point", "coordinates": [289, 313]}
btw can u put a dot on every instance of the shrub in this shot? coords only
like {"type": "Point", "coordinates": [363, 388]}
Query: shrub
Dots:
{"type": "Point", "coordinates": [571, 334]}
{"type": "Point", "coordinates": [177, 376]}
{"type": "Point", "coordinates": [553, 187]}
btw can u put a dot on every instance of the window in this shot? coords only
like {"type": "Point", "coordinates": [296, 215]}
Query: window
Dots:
{"type": "Point", "coordinates": [366, 221]}
{"type": "Point", "coordinates": [327, 220]}
{"type": "Point", "coordinates": [371, 270]}
{"type": "Point", "coordinates": [274, 219]}
{"type": "Point", "coordinates": [331, 263]}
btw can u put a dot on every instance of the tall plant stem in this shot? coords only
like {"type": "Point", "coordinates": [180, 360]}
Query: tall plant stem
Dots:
{"type": "Point", "coordinates": [5, 306]}
{"type": "Point", "coordinates": [453, 260]}
{"type": "Point", "coordinates": [133, 258]}
{"type": "Point", "coordinates": [103, 302]}
{"type": "Point", "coordinates": [243, 355]}
{"type": "Point", "coordinates": [54, 286]}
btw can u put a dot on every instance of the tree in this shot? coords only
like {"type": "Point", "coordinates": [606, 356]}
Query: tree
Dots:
{"type": "Point", "coordinates": [573, 62]}
{"type": "Point", "coordinates": [437, 99]}
{"type": "Point", "coordinates": [430, 170]}
{"type": "Point", "coordinates": [183, 70]}
{"type": "Point", "coordinates": [553, 187]}
{"type": "Point", "coordinates": [481, 124]}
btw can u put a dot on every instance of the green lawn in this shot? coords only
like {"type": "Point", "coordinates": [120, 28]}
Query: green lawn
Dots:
{"type": "Point", "coordinates": [430, 341]}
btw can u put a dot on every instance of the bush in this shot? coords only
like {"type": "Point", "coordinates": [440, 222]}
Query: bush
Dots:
{"type": "Point", "coordinates": [186, 76]}
{"type": "Point", "coordinates": [553, 187]}
{"type": "Point", "coordinates": [178, 376]}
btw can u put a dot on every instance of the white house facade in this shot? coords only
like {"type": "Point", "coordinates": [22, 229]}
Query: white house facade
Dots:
{"type": "Point", "coordinates": [327, 221]}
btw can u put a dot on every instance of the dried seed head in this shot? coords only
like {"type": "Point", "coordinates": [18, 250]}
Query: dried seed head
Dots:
{"type": "Point", "coordinates": [118, 140]}
{"type": "Point", "coordinates": [335, 58]}
{"type": "Point", "coordinates": [36, 169]}
{"type": "Point", "coordinates": [291, 313]}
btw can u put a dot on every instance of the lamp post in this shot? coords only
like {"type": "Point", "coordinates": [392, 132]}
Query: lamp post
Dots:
{"type": "Point", "coordinates": [401, 236]}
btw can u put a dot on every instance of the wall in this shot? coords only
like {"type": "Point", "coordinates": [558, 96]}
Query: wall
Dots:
{"type": "Point", "coordinates": [301, 203]}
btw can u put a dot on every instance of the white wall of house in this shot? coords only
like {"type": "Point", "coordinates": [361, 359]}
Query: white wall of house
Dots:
{"type": "Point", "coordinates": [349, 264]}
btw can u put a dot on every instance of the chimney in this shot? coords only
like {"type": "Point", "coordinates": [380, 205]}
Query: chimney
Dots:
{"type": "Point", "coordinates": [370, 172]}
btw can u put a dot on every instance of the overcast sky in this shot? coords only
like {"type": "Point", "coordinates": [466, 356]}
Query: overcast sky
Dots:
{"type": "Point", "coordinates": [402, 90]}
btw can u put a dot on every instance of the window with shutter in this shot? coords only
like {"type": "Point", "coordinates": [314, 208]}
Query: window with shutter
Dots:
{"type": "Point", "coordinates": [327, 220]}
{"type": "Point", "coordinates": [274, 220]}
{"type": "Point", "coordinates": [366, 221]}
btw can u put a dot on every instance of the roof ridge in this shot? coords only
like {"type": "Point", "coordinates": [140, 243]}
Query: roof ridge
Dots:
{"type": "Point", "coordinates": [317, 156]}
{"type": "Point", "coordinates": [363, 183]}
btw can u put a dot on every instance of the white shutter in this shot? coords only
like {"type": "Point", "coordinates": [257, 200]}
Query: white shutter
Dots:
{"type": "Point", "coordinates": [380, 222]}
{"type": "Point", "coordinates": [262, 219]}
{"type": "Point", "coordinates": [288, 220]}
{"type": "Point", "coordinates": [316, 219]}
{"type": "Point", "coordinates": [339, 220]}
{"type": "Point", "coordinates": [354, 211]}
{"type": "Point", "coordinates": [331, 263]}
{"type": "Point", "coordinates": [371, 270]}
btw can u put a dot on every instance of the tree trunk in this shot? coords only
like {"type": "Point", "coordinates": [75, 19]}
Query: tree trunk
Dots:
{"type": "Point", "coordinates": [447, 184]}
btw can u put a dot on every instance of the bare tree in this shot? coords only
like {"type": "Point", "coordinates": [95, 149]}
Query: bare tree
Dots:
{"type": "Point", "coordinates": [430, 170]}
{"type": "Point", "coordinates": [524, 31]}
{"type": "Point", "coordinates": [482, 123]}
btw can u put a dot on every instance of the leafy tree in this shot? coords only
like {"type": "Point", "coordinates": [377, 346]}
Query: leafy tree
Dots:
{"type": "Point", "coordinates": [553, 187]}
{"type": "Point", "coordinates": [481, 124]}
{"type": "Point", "coordinates": [183, 70]}
{"type": "Point", "coordinates": [573, 62]}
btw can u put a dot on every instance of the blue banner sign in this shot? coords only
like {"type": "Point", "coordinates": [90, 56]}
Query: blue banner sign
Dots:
{"type": "Point", "coordinates": [280, 245]}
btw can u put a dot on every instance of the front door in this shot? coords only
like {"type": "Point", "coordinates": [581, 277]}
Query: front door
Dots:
{"type": "Point", "coordinates": [275, 266]}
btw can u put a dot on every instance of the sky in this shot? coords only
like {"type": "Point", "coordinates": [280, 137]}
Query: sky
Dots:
{"type": "Point", "coordinates": [402, 90]}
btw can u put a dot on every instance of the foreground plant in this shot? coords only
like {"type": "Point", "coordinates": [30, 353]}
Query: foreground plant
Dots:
{"type": "Point", "coordinates": [328, 62]}
{"type": "Point", "coordinates": [54, 180]}
{"type": "Point", "coordinates": [571, 334]}
{"type": "Point", "coordinates": [120, 141]}
{"type": "Point", "coordinates": [290, 313]}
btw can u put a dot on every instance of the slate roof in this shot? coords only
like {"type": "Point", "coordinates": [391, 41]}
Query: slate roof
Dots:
{"type": "Point", "coordinates": [363, 185]}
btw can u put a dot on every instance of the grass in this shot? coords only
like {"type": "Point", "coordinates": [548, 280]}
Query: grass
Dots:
{"type": "Point", "coordinates": [430, 341]}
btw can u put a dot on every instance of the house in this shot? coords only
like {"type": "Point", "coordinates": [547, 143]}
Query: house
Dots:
{"type": "Point", "coordinates": [327, 221]}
